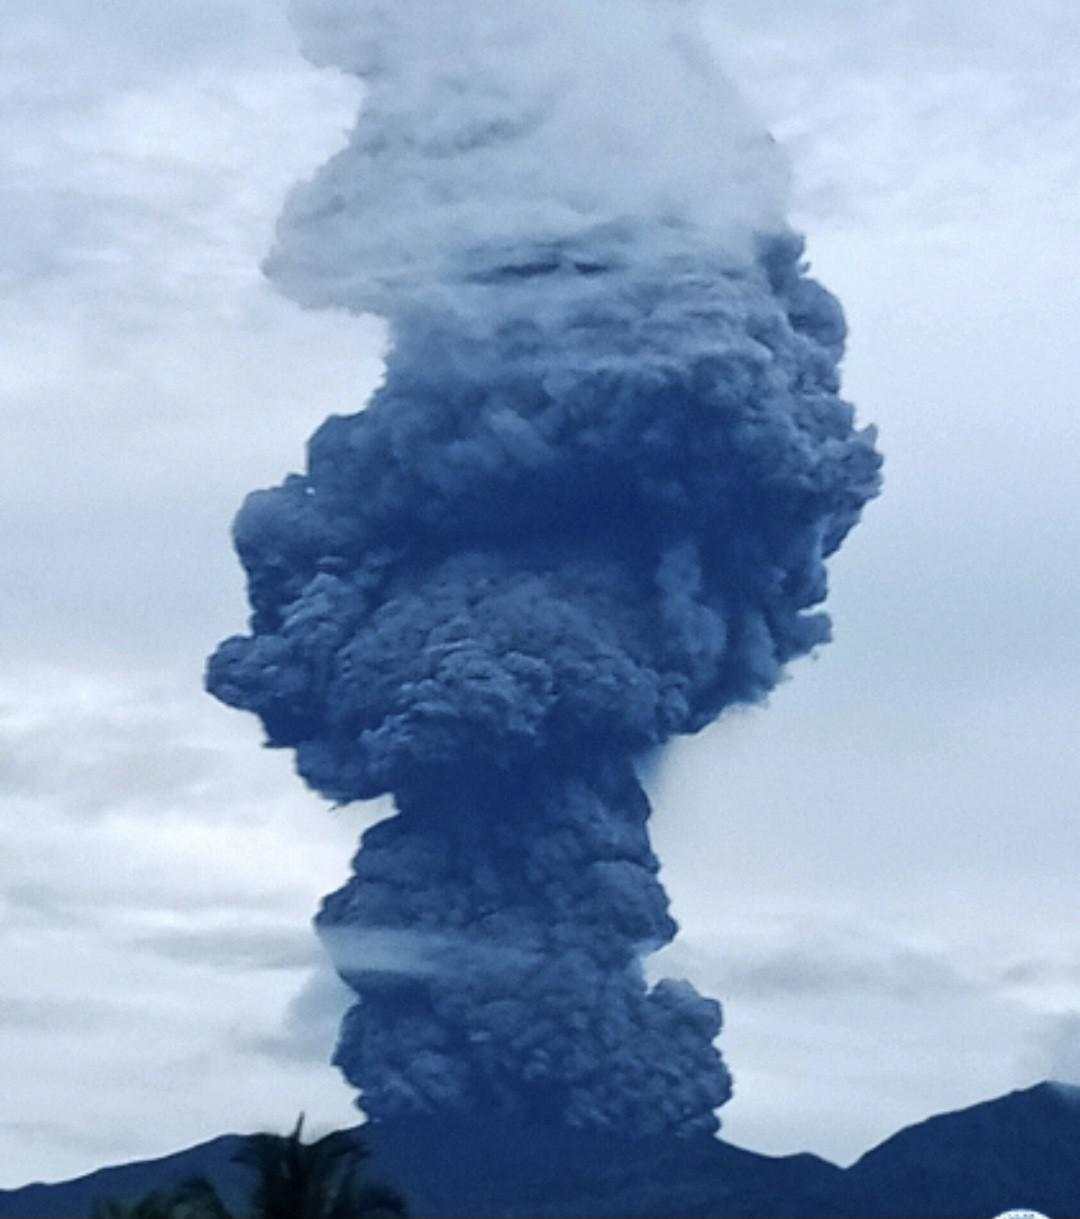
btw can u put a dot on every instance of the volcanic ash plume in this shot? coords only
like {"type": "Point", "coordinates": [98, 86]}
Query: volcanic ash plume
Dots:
{"type": "Point", "coordinates": [588, 509]}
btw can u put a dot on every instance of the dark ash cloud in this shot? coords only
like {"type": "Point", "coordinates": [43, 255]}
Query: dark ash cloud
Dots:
{"type": "Point", "coordinates": [588, 510]}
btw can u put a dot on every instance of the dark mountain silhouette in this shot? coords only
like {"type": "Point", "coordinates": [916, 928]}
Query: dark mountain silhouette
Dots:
{"type": "Point", "coordinates": [1018, 1151]}
{"type": "Point", "coordinates": [532, 1172]}
{"type": "Point", "coordinates": [1021, 1151]}
{"type": "Point", "coordinates": [127, 1182]}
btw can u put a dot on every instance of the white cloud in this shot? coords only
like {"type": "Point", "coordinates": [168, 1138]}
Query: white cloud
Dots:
{"type": "Point", "coordinates": [1060, 1045]}
{"type": "Point", "coordinates": [160, 874]}
{"type": "Point", "coordinates": [912, 112]}
{"type": "Point", "coordinates": [467, 159]}
{"type": "Point", "coordinates": [309, 1028]}
{"type": "Point", "coordinates": [863, 1027]}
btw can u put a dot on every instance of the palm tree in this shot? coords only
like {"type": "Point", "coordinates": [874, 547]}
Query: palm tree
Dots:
{"type": "Point", "coordinates": [294, 1180]}
{"type": "Point", "coordinates": [297, 1180]}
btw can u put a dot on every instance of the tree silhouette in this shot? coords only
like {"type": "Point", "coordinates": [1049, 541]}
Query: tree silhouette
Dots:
{"type": "Point", "coordinates": [195, 1198]}
{"type": "Point", "coordinates": [293, 1180]}
{"type": "Point", "coordinates": [298, 1180]}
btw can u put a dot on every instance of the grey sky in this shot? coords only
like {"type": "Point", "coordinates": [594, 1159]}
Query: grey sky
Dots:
{"type": "Point", "coordinates": [876, 873]}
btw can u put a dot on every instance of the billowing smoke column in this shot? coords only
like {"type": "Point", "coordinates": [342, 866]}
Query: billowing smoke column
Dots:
{"type": "Point", "coordinates": [588, 509]}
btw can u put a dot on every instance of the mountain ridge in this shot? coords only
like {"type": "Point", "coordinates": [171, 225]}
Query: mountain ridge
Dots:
{"type": "Point", "coordinates": [1019, 1150]}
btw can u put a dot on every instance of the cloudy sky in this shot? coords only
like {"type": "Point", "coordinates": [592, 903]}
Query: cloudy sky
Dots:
{"type": "Point", "coordinates": [876, 873]}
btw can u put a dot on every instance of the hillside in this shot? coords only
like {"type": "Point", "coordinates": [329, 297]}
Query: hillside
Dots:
{"type": "Point", "coordinates": [1020, 1150]}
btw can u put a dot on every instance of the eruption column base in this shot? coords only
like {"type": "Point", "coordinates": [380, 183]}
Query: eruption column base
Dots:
{"type": "Point", "coordinates": [493, 932]}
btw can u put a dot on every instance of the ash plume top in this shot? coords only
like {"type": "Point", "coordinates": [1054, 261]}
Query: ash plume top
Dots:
{"type": "Point", "coordinates": [589, 508]}
{"type": "Point", "coordinates": [515, 140]}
